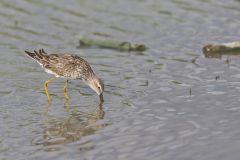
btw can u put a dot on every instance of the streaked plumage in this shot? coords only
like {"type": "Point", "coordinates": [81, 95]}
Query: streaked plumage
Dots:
{"type": "Point", "coordinates": [68, 66]}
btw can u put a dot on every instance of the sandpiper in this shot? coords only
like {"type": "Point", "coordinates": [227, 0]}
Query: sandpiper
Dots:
{"type": "Point", "coordinates": [67, 66]}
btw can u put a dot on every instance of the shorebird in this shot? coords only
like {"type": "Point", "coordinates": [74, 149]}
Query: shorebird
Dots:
{"type": "Point", "coordinates": [68, 66]}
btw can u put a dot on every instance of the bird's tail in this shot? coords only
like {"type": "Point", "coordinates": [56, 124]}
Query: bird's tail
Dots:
{"type": "Point", "coordinates": [36, 55]}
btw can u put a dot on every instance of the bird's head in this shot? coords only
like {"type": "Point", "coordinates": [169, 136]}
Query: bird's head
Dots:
{"type": "Point", "coordinates": [97, 85]}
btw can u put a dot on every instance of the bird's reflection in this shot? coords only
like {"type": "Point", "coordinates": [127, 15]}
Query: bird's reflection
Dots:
{"type": "Point", "coordinates": [66, 130]}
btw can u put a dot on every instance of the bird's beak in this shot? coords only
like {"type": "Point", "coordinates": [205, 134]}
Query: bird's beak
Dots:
{"type": "Point", "coordinates": [101, 97]}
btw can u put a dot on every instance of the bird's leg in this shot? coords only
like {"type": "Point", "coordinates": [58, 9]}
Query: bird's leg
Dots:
{"type": "Point", "coordinates": [65, 90]}
{"type": "Point", "coordinates": [46, 87]}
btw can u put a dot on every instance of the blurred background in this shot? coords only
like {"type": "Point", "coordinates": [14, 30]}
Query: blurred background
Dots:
{"type": "Point", "coordinates": [168, 102]}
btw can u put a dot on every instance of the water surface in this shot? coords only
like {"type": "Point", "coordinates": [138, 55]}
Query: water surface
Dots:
{"type": "Point", "coordinates": [164, 103]}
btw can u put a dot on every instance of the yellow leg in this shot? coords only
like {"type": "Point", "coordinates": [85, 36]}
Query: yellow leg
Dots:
{"type": "Point", "coordinates": [46, 87]}
{"type": "Point", "coordinates": [65, 90]}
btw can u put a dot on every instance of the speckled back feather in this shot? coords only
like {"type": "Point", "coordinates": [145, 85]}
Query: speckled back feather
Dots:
{"type": "Point", "coordinates": [63, 65]}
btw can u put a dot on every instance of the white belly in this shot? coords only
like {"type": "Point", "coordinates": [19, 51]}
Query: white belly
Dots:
{"type": "Point", "coordinates": [51, 72]}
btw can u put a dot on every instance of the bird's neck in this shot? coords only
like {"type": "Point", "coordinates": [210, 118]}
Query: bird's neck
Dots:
{"type": "Point", "coordinates": [91, 78]}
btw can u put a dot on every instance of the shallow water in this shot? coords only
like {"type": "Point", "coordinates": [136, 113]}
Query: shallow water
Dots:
{"type": "Point", "coordinates": [169, 102]}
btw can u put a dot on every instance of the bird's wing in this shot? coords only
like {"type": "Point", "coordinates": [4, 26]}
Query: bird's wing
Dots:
{"type": "Point", "coordinates": [65, 65]}
{"type": "Point", "coordinates": [68, 65]}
